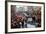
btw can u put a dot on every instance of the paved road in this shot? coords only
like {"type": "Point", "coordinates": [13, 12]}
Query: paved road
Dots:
{"type": "Point", "coordinates": [30, 26]}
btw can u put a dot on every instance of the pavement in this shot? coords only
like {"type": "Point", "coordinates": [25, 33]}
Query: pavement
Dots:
{"type": "Point", "coordinates": [30, 26]}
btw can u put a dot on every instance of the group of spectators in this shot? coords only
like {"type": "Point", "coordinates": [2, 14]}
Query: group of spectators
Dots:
{"type": "Point", "coordinates": [36, 16]}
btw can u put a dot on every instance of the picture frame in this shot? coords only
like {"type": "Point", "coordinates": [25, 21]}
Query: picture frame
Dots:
{"type": "Point", "coordinates": [9, 5]}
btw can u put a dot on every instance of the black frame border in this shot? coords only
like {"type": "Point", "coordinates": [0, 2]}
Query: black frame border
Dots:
{"type": "Point", "coordinates": [6, 31]}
